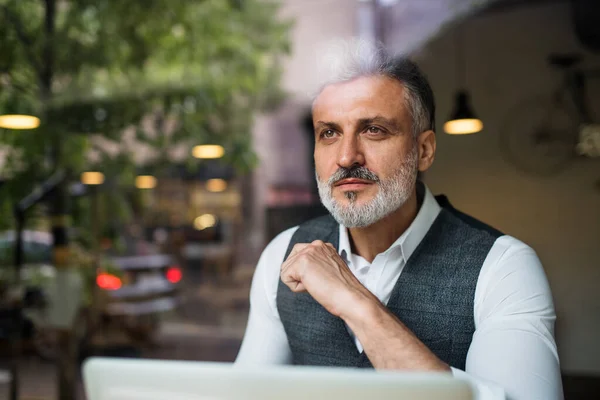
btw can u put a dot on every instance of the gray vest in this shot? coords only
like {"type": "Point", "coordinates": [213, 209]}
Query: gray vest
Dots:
{"type": "Point", "coordinates": [433, 296]}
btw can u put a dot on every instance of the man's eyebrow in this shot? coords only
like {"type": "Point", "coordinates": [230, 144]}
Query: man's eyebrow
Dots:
{"type": "Point", "coordinates": [391, 124]}
{"type": "Point", "coordinates": [327, 124]}
{"type": "Point", "coordinates": [378, 119]}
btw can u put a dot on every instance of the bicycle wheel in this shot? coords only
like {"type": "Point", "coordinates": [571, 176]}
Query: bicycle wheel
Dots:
{"type": "Point", "coordinates": [539, 136]}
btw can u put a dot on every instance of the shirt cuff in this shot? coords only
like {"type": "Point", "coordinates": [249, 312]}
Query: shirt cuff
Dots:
{"type": "Point", "coordinates": [482, 390]}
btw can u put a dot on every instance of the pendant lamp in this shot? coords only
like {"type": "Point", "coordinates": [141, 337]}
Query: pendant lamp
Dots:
{"type": "Point", "coordinates": [17, 114]}
{"type": "Point", "coordinates": [463, 120]}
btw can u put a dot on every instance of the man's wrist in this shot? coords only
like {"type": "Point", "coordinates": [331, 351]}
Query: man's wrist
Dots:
{"type": "Point", "coordinates": [360, 310]}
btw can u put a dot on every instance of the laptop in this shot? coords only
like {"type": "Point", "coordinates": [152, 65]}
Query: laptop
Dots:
{"type": "Point", "coordinates": [138, 379]}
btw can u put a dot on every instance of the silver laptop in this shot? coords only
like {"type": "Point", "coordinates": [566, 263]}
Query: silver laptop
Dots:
{"type": "Point", "coordinates": [135, 379]}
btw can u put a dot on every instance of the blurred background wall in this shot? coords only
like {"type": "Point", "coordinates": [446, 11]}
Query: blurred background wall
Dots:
{"type": "Point", "coordinates": [558, 216]}
{"type": "Point", "coordinates": [281, 141]}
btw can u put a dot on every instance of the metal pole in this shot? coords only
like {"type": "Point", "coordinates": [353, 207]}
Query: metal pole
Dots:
{"type": "Point", "coordinates": [94, 314]}
{"type": "Point", "coordinates": [66, 362]}
{"type": "Point", "coordinates": [18, 310]}
{"type": "Point", "coordinates": [19, 212]}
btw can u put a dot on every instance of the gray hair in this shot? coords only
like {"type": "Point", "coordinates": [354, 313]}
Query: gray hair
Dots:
{"type": "Point", "coordinates": [349, 60]}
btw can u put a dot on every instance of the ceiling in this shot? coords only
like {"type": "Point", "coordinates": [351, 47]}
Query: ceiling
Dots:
{"type": "Point", "coordinates": [412, 23]}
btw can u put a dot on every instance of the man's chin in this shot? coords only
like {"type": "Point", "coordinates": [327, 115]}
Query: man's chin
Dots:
{"type": "Point", "coordinates": [353, 199]}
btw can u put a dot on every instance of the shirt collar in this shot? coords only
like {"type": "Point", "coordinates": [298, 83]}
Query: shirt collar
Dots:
{"type": "Point", "coordinates": [415, 233]}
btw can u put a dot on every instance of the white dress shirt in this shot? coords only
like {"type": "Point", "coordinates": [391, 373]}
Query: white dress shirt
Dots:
{"type": "Point", "coordinates": [513, 353]}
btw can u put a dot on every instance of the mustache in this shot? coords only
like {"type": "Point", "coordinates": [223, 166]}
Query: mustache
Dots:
{"type": "Point", "coordinates": [353, 172]}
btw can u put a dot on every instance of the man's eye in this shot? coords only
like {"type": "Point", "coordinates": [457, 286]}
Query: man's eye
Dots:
{"type": "Point", "coordinates": [328, 134]}
{"type": "Point", "coordinates": [375, 130]}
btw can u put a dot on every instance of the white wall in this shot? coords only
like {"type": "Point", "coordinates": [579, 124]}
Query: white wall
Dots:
{"type": "Point", "coordinates": [279, 141]}
{"type": "Point", "coordinates": [558, 216]}
{"type": "Point", "coordinates": [284, 144]}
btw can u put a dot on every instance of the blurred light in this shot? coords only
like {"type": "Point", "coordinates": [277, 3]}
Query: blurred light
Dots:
{"type": "Point", "coordinates": [92, 178]}
{"type": "Point", "coordinates": [208, 151]}
{"type": "Point", "coordinates": [463, 120]}
{"type": "Point", "coordinates": [108, 281]}
{"type": "Point", "coordinates": [205, 221]}
{"type": "Point", "coordinates": [145, 182]}
{"type": "Point", "coordinates": [463, 126]}
{"type": "Point", "coordinates": [19, 121]}
{"type": "Point", "coordinates": [174, 274]}
{"type": "Point", "coordinates": [216, 185]}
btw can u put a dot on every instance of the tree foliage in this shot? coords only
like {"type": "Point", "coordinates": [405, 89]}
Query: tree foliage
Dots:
{"type": "Point", "coordinates": [170, 73]}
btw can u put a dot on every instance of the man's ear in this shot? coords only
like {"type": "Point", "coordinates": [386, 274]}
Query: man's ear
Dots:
{"type": "Point", "coordinates": [426, 144]}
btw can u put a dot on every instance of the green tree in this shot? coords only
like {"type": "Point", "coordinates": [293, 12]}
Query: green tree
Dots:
{"type": "Point", "coordinates": [170, 73]}
{"type": "Point", "coordinates": [158, 75]}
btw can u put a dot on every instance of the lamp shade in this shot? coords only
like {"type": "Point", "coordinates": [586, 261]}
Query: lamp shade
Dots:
{"type": "Point", "coordinates": [462, 120]}
{"type": "Point", "coordinates": [145, 182]}
{"type": "Point", "coordinates": [19, 121]}
{"type": "Point", "coordinates": [17, 113]}
{"type": "Point", "coordinates": [92, 178]}
{"type": "Point", "coordinates": [208, 151]}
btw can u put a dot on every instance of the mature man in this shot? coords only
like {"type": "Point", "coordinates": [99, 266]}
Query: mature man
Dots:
{"type": "Point", "coordinates": [392, 279]}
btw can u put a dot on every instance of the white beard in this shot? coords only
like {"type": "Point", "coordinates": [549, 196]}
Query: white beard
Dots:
{"type": "Point", "coordinates": [392, 194]}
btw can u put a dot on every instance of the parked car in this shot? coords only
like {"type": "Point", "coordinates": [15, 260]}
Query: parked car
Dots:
{"type": "Point", "coordinates": [144, 288]}
{"type": "Point", "coordinates": [148, 284]}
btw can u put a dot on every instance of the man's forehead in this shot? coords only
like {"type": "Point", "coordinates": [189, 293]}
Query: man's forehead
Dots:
{"type": "Point", "coordinates": [365, 95]}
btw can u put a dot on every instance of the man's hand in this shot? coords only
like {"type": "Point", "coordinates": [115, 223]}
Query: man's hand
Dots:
{"type": "Point", "coordinates": [318, 269]}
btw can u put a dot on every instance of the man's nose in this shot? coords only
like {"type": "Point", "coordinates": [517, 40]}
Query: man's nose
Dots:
{"type": "Point", "coordinates": [350, 152]}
